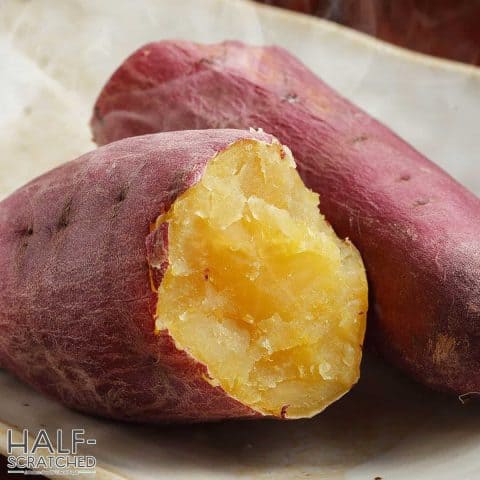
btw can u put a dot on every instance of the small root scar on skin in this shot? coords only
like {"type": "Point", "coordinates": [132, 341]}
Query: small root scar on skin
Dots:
{"type": "Point", "coordinates": [421, 202]}
{"type": "Point", "coordinates": [291, 97]}
{"type": "Point", "coordinates": [122, 195]}
{"type": "Point", "coordinates": [64, 219]}
{"type": "Point", "coordinates": [360, 138]}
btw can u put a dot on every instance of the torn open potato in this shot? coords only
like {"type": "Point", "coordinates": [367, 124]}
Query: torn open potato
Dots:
{"type": "Point", "coordinates": [259, 288]}
{"type": "Point", "coordinates": [184, 276]}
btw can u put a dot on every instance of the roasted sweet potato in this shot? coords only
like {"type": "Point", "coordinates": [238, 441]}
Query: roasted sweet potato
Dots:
{"type": "Point", "coordinates": [417, 229]}
{"type": "Point", "coordinates": [184, 276]}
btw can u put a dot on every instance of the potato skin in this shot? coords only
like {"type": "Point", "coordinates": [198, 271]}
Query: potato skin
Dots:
{"type": "Point", "coordinates": [76, 303]}
{"type": "Point", "coordinates": [417, 229]}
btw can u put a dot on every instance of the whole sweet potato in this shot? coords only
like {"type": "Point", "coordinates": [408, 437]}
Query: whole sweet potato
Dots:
{"type": "Point", "coordinates": [184, 276]}
{"type": "Point", "coordinates": [417, 229]}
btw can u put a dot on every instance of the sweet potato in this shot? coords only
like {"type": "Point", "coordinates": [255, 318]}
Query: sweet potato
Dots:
{"type": "Point", "coordinates": [417, 229]}
{"type": "Point", "coordinates": [184, 276]}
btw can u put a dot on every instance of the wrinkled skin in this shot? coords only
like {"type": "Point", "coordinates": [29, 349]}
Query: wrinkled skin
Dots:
{"type": "Point", "coordinates": [417, 229]}
{"type": "Point", "coordinates": [76, 302]}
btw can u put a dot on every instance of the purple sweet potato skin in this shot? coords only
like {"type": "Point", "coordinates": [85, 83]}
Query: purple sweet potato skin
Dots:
{"type": "Point", "coordinates": [417, 229]}
{"type": "Point", "coordinates": [76, 301]}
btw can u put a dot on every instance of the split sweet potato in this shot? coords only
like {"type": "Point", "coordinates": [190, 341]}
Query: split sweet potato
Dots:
{"type": "Point", "coordinates": [417, 229]}
{"type": "Point", "coordinates": [184, 276]}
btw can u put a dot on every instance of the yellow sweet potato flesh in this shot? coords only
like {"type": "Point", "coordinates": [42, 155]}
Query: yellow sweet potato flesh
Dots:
{"type": "Point", "coordinates": [259, 288]}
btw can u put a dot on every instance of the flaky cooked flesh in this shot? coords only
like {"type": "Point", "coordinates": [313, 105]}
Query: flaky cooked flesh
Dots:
{"type": "Point", "coordinates": [259, 288]}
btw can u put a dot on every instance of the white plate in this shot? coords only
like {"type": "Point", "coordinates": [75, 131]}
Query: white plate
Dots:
{"type": "Point", "coordinates": [54, 58]}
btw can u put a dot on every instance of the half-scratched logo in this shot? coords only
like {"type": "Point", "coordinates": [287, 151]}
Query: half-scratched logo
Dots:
{"type": "Point", "coordinates": [38, 454]}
